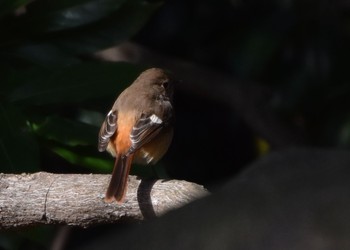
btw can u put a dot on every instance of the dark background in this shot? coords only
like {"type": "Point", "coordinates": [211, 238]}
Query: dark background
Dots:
{"type": "Point", "coordinates": [256, 77]}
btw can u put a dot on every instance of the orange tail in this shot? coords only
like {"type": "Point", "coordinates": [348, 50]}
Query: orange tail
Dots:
{"type": "Point", "coordinates": [118, 184]}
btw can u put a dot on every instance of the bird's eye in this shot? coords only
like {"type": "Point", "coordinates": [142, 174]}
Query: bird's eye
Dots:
{"type": "Point", "coordinates": [166, 84]}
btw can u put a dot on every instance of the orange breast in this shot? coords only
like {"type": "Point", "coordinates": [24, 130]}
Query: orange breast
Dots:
{"type": "Point", "coordinates": [151, 152]}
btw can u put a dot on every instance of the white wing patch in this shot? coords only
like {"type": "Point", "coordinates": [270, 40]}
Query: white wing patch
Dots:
{"type": "Point", "coordinates": [147, 156]}
{"type": "Point", "coordinates": [144, 130]}
{"type": "Point", "coordinates": [107, 130]}
{"type": "Point", "coordinates": [155, 119]}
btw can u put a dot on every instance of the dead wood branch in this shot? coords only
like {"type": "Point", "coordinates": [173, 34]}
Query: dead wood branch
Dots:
{"type": "Point", "coordinates": [77, 199]}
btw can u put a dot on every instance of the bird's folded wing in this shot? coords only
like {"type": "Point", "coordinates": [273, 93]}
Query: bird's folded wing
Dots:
{"type": "Point", "coordinates": [145, 129]}
{"type": "Point", "coordinates": [107, 130]}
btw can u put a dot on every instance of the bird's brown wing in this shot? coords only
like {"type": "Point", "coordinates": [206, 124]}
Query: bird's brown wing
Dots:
{"type": "Point", "coordinates": [145, 129]}
{"type": "Point", "coordinates": [108, 128]}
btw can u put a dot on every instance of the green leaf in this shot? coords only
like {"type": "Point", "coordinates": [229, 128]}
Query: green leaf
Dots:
{"type": "Point", "coordinates": [64, 41]}
{"type": "Point", "coordinates": [67, 132]}
{"type": "Point", "coordinates": [110, 31]}
{"type": "Point", "coordinates": [113, 30]}
{"type": "Point", "coordinates": [71, 84]}
{"type": "Point", "coordinates": [92, 162]}
{"type": "Point", "coordinates": [18, 149]}
{"type": "Point", "coordinates": [60, 15]}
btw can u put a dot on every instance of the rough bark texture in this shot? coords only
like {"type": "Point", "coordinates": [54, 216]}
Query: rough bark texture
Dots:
{"type": "Point", "coordinates": [77, 199]}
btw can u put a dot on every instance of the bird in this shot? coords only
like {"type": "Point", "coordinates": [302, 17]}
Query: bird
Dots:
{"type": "Point", "coordinates": [138, 128]}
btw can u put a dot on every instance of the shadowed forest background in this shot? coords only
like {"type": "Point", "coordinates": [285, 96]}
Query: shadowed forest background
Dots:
{"type": "Point", "coordinates": [261, 77]}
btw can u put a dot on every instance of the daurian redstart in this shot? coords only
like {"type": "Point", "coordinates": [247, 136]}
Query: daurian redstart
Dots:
{"type": "Point", "coordinates": [138, 128]}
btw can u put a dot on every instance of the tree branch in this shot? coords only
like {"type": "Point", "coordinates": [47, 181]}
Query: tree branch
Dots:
{"type": "Point", "coordinates": [77, 199]}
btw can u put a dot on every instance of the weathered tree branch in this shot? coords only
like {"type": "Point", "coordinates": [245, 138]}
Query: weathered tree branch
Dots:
{"type": "Point", "coordinates": [77, 199]}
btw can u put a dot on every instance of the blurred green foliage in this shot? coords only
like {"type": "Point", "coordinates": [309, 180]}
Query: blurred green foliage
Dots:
{"type": "Point", "coordinates": [54, 94]}
{"type": "Point", "coordinates": [51, 89]}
